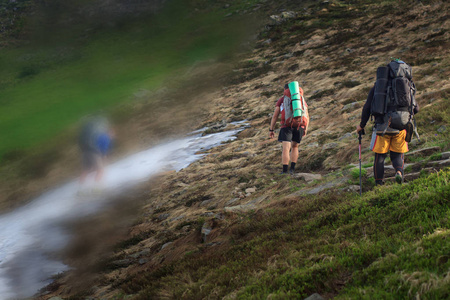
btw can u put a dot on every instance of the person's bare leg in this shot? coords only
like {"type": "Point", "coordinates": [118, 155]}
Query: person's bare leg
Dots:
{"type": "Point", "coordinates": [285, 154]}
{"type": "Point", "coordinates": [294, 157]}
{"type": "Point", "coordinates": [294, 152]}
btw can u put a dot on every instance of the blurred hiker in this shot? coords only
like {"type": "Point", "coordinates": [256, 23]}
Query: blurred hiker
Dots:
{"type": "Point", "coordinates": [393, 105]}
{"type": "Point", "coordinates": [94, 142]}
{"type": "Point", "coordinates": [292, 128]}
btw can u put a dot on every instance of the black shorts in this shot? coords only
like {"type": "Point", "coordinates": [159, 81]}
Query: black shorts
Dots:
{"type": "Point", "coordinates": [288, 134]}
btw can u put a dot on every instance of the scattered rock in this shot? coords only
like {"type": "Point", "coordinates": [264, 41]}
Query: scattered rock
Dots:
{"type": "Point", "coordinates": [122, 263]}
{"type": "Point", "coordinates": [312, 145]}
{"type": "Point", "coordinates": [177, 218]}
{"type": "Point", "coordinates": [258, 200]}
{"type": "Point", "coordinates": [423, 152]}
{"type": "Point", "coordinates": [439, 163]}
{"type": "Point", "coordinates": [288, 15]}
{"type": "Point", "coordinates": [350, 107]}
{"type": "Point", "coordinates": [166, 244]}
{"type": "Point", "coordinates": [445, 155]}
{"type": "Point", "coordinates": [240, 208]}
{"type": "Point", "coordinates": [347, 136]}
{"type": "Point", "coordinates": [232, 201]}
{"type": "Point", "coordinates": [308, 177]}
{"type": "Point", "coordinates": [315, 296]}
{"type": "Point", "coordinates": [208, 214]}
{"type": "Point", "coordinates": [250, 190]}
{"type": "Point", "coordinates": [143, 261]}
{"type": "Point", "coordinates": [330, 146]}
{"type": "Point", "coordinates": [442, 129]}
{"type": "Point", "coordinates": [205, 202]}
{"type": "Point", "coordinates": [304, 42]}
{"type": "Point", "coordinates": [139, 254]}
{"type": "Point", "coordinates": [351, 188]}
{"type": "Point", "coordinates": [320, 188]}
{"type": "Point", "coordinates": [182, 184]}
{"type": "Point", "coordinates": [212, 207]}
{"type": "Point", "coordinates": [162, 217]}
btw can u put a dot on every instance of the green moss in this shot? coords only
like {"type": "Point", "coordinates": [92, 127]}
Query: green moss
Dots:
{"type": "Point", "coordinates": [392, 242]}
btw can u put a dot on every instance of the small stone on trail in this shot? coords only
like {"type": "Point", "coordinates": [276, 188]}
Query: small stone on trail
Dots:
{"type": "Point", "coordinates": [308, 177]}
{"type": "Point", "coordinates": [166, 244]}
{"type": "Point", "coordinates": [330, 146]}
{"type": "Point", "coordinates": [315, 296]}
{"type": "Point", "coordinates": [250, 190]}
{"type": "Point", "coordinates": [445, 155]}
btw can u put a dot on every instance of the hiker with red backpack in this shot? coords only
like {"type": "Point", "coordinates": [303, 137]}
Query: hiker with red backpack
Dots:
{"type": "Point", "coordinates": [393, 105]}
{"type": "Point", "coordinates": [294, 124]}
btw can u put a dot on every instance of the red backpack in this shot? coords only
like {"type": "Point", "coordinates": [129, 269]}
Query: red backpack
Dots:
{"type": "Point", "coordinates": [289, 119]}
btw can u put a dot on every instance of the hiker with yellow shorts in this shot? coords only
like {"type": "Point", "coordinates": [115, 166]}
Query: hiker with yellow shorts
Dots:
{"type": "Point", "coordinates": [393, 142]}
{"type": "Point", "coordinates": [392, 102]}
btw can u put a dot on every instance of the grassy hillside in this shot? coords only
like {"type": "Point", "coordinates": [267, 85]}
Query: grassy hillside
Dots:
{"type": "Point", "coordinates": [60, 72]}
{"type": "Point", "coordinates": [393, 243]}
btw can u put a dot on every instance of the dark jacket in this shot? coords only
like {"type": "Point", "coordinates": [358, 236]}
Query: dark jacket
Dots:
{"type": "Point", "coordinates": [365, 116]}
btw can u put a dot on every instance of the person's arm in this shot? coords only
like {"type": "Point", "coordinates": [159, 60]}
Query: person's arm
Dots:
{"type": "Point", "coordinates": [307, 120]}
{"type": "Point", "coordinates": [366, 111]}
{"type": "Point", "coordinates": [273, 122]}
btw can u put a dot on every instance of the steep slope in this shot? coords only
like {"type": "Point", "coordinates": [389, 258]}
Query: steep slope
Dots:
{"type": "Point", "coordinates": [229, 227]}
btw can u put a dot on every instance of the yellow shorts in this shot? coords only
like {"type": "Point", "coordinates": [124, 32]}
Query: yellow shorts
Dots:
{"type": "Point", "coordinates": [383, 144]}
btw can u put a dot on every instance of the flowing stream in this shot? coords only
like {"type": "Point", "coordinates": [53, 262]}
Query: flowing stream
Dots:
{"type": "Point", "coordinates": [30, 234]}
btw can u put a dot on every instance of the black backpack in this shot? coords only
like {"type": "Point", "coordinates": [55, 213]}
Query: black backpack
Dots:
{"type": "Point", "coordinates": [394, 99]}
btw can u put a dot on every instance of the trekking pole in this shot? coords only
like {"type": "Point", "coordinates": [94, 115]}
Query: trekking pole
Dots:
{"type": "Point", "coordinates": [361, 133]}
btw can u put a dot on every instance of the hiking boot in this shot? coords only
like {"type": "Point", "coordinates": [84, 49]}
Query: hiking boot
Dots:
{"type": "Point", "coordinates": [399, 178]}
{"type": "Point", "coordinates": [283, 173]}
{"type": "Point", "coordinates": [291, 171]}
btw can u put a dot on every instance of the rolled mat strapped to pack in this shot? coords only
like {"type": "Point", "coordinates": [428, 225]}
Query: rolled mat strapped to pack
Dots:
{"type": "Point", "coordinates": [296, 99]}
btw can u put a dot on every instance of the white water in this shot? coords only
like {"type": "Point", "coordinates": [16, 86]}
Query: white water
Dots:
{"type": "Point", "coordinates": [31, 233]}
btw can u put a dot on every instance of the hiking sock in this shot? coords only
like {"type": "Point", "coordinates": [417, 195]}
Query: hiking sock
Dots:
{"type": "Point", "coordinates": [285, 168]}
{"type": "Point", "coordinates": [378, 167]}
{"type": "Point", "coordinates": [292, 167]}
